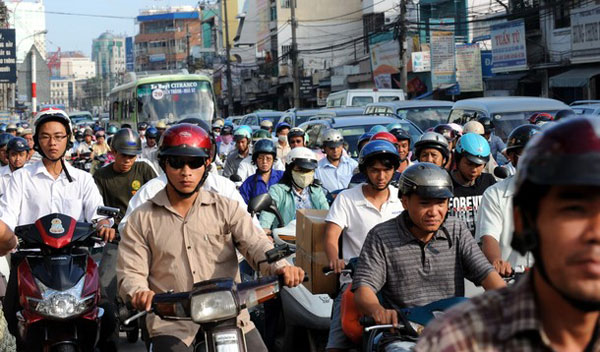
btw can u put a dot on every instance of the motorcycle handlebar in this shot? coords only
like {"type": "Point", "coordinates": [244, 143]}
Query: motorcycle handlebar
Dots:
{"type": "Point", "coordinates": [329, 271]}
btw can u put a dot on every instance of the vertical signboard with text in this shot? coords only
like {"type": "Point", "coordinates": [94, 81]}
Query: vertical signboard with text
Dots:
{"type": "Point", "coordinates": [129, 58]}
{"type": "Point", "coordinates": [509, 50]}
{"type": "Point", "coordinates": [442, 58]}
{"type": "Point", "coordinates": [8, 56]}
{"type": "Point", "coordinates": [468, 68]}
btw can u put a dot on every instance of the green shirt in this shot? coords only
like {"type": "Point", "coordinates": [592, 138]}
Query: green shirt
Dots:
{"type": "Point", "coordinates": [118, 188]}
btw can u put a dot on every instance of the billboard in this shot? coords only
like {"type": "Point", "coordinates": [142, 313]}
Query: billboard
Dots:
{"type": "Point", "coordinates": [385, 61]}
{"type": "Point", "coordinates": [509, 50]}
{"type": "Point", "coordinates": [8, 56]}
{"type": "Point", "coordinates": [468, 68]}
{"type": "Point", "coordinates": [442, 58]}
{"type": "Point", "coordinates": [129, 58]}
{"type": "Point", "coordinates": [421, 61]}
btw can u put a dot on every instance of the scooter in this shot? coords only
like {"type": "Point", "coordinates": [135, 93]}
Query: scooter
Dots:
{"type": "Point", "coordinates": [83, 162]}
{"type": "Point", "coordinates": [58, 284]}
{"type": "Point", "coordinates": [304, 313]}
{"type": "Point", "coordinates": [215, 304]}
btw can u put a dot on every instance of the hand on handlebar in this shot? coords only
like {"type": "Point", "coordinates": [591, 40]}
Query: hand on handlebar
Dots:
{"type": "Point", "coordinates": [105, 231]}
{"type": "Point", "coordinates": [337, 265]}
{"type": "Point", "coordinates": [384, 316]}
{"type": "Point", "coordinates": [292, 275]}
{"type": "Point", "coordinates": [10, 245]}
{"type": "Point", "coordinates": [142, 300]}
{"type": "Point", "coordinates": [502, 267]}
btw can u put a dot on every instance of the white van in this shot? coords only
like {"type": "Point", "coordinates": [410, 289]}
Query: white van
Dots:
{"type": "Point", "coordinates": [362, 97]}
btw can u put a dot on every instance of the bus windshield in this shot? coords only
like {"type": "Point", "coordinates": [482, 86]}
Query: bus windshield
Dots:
{"type": "Point", "coordinates": [175, 100]}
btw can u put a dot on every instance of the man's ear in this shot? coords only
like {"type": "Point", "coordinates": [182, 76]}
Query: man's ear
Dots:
{"type": "Point", "coordinates": [404, 200]}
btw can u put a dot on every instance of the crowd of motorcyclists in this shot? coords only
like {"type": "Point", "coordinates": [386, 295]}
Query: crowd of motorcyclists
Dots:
{"type": "Point", "coordinates": [460, 204]}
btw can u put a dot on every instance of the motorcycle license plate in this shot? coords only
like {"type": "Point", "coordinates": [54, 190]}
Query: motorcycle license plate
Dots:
{"type": "Point", "coordinates": [228, 341]}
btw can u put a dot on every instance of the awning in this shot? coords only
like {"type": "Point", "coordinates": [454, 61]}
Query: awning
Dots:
{"type": "Point", "coordinates": [577, 77]}
{"type": "Point", "coordinates": [504, 82]}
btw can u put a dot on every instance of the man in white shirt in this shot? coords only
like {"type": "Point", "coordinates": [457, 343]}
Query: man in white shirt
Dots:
{"type": "Point", "coordinates": [45, 187]}
{"type": "Point", "coordinates": [86, 145]}
{"type": "Point", "coordinates": [352, 215]}
{"type": "Point", "coordinates": [335, 170]}
{"type": "Point", "coordinates": [494, 220]}
{"type": "Point", "coordinates": [17, 150]}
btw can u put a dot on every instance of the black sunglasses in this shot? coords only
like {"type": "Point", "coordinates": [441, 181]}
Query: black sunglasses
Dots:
{"type": "Point", "coordinates": [179, 162]}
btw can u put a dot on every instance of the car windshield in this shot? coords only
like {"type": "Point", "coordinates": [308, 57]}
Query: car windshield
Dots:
{"type": "Point", "coordinates": [272, 118]}
{"type": "Point", "coordinates": [505, 122]}
{"type": "Point", "coordinates": [582, 111]}
{"type": "Point", "coordinates": [80, 117]}
{"type": "Point", "coordinates": [426, 117]}
{"type": "Point", "coordinates": [175, 101]}
{"type": "Point", "coordinates": [352, 134]}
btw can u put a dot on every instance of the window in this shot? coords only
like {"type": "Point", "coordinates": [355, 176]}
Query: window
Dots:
{"type": "Point", "coordinates": [361, 101]}
{"type": "Point", "coordinates": [562, 15]}
{"type": "Point", "coordinates": [285, 50]}
{"type": "Point", "coordinates": [286, 4]}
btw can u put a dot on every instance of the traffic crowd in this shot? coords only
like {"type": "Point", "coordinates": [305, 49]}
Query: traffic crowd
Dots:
{"type": "Point", "coordinates": [420, 215]}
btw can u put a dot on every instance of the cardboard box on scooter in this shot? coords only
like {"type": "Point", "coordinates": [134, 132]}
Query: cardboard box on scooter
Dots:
{"type": "Point", "coordinates": [310, 250]}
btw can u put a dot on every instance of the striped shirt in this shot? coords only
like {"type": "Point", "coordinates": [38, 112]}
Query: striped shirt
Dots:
{"type": "Point", "coordinates": [408, 272]}
{"type": "Point", "coordinates": [498, 320]}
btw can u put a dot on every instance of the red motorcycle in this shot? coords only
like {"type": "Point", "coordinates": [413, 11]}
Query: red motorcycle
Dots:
{"type": "Point", "coordinates": [59, 286]}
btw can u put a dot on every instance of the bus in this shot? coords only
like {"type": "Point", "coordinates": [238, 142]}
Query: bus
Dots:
{"type": "Point", "coordinates": [169, 97]}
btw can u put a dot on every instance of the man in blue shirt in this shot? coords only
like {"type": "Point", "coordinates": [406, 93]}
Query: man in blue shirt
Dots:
{"type": "Point", "coordinates": [263, 157]}
{"type": "Point", "coordinates": [336, 170]}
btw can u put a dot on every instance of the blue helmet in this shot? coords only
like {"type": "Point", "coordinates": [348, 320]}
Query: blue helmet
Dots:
{"type": "Point", "coordinates": [264, 146]}
{"type": "Point", "coordinates": [365, 137]}
{"type": "Point", "coordinates": [474, 147]}
{"type": "Point", "coordinates": [4, 138]}
{"type": "Point", "coordinates": [3, 127]}
{"type": "Point", "coordinates": [17, 144]}
{"type": "Point", "coordinates": [378, 128]}
{"type": "Point", "coordinates": [152, 132]}
{"type": "Point", "coordinates": [282, 125]}
{"type": "Point", "coordinates": [378, 149]}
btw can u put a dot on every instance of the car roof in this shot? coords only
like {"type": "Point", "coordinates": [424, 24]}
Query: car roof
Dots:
{"type": "Point", "coordinates": [266, 113]}
{"type": "Point", "coordinates": [585, 102]}
{"type": "Point", "coordinates": [341, 111]}
{"type": "Point", "coordinates": [510, 104]}
{"type": "Point", "coordinates": [348, 121]}
{"type": "Point", "coordinates": [412, 104]}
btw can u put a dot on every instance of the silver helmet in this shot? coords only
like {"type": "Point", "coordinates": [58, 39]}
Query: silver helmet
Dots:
{"type": "Point", "coordinates": [427, 180]}
{"type": "Point", "coordinates": [331, 138]}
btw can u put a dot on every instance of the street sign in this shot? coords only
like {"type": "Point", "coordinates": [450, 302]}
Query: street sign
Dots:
{"type": "Point", "coordinates": [306, 87]}
{"type": "Point", "coordinates": [8, 57]}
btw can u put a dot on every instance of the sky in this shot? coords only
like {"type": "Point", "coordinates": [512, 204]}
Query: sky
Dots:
{"type": "Point", "coordinates": [75, 33]}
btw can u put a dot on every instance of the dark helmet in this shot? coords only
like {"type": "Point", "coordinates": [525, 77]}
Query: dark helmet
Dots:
{"type": "Point", "coordinates": [426, 180]}
{"type": "Point", "coordinates": [519, 137]}
{"type": "Point", "coordinates": [24, 124]}
{"type": "Point", "coordinates": [17, 144]}
{"type": "Point", "coordinates": [401, 134]}
{"type": "Point", "coordinates": [4, 138]}
{"type": "Point", "coordinates": [281, 126]}
{"type": "Point", "coordinates": [185, 139]}
{"type": "Point", "coordinates": [296, 132]}
{"type": "Point", "coordinates": [227, 129]}
{"type": "Point", "coordinates": [384, 136]}
{"type": "Point", "coordinates": [381, 149]}
{"type": "Point", "coordinates": [127, 141]}
{"type": "Point", "coordinates": [488, 124]}
{"type": "Point", "coordinates": [561, 114]}
{"type": "Point", "coordinates": [365, 137]}
{"type": "Point", "coordinates": [47, 115]}
{"type": "Point", "coordinates": [260, 134]}
{"type": "Point", "coordinates": [112, 129]}
{"type": "Point", "coordinates": [142, 126]}
{"type": "Point", "coordinates": [433, 140]}
{"type": "Point", "coordinates": [152, 132]}
{"type": "Point", "coordinates": [446, 131]}
{"type": "Point", "coordinates": [264, 146]}
{"type": "Point", "coordinates": [474, 147]}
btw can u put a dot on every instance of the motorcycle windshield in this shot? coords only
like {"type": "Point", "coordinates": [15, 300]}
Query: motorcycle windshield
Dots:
{"type": "Point", "coordinates": [59, 271]}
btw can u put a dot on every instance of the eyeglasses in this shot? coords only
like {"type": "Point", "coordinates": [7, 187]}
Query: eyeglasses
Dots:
{"type": "Point", "coordinates": [265, 157]}
{"type": "Point", "coordinates": [179, 163]}
{"type": "Point", "coordinates": [46, 138]}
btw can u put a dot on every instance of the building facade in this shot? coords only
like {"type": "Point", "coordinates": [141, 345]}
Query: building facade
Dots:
{"type": "Point", "coordinates": [166, 37]}
{"type": "Point", "coordinates": [108, 54]}
{"type": "Point", "coordinates": [28, 18]}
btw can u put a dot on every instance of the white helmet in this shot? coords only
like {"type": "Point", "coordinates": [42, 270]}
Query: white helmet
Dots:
{"type": "Point", "coordinates": [331, 138]}
{"type": "Point", "coordinates": [303, 157]}
{"type": "Point", "coordinates": [52, 114]}
{"type": "Point", "coordinates": [473, 127]}
{"type": "Point", "coordinates": [266, 123]}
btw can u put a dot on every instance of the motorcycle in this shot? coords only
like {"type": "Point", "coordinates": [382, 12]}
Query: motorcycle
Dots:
{"type": "Point", "coordinates": [83, 162]}
{"type": "Point", "coordinates": [58, 284]}
{"type": "Point", "coordinates": [215, 304]}
{"type": "Point", "coordinates": [305, 314]}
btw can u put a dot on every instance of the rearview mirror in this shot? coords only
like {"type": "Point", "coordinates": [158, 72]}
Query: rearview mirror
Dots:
{"type": "Point", "coordinates": [107, 211]}
{"type": "Point", "coordinates": [235, 178]}
{"type": "Point", "coordinates": [259, 203]}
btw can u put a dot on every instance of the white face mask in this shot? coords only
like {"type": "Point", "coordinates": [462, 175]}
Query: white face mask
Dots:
{"type": "Point", "coordinates": [282, 138]}
{"type": "Point", "coordinates": [303, 179]}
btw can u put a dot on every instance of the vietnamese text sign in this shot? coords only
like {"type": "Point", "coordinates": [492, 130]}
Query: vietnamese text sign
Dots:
{"type": "Point", "coordinates": [8, 58]}
{"type": "Point", "coordinates": [129, 59]}
{"type": "Point", "coordinates": [585, 31]}
{"type": "Point", "coordinates": [509, 50]}
{"type": "Point", "coordinates": [468, 68]}
{"type": "Point", "coordinates": [385, 61]}
{"type": "Point", "coordinates": [442, 58]}
{"type": "Point", "coordinates": [421, 61]}
{"type": "Point", "coordinates": [306, 87]}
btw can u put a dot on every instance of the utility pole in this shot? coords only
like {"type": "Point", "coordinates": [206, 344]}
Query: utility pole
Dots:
{"type": "Point", "coordinates": [227, 49]}
{"type": "Point", "coordinates": [402, 40]}
{"type": "Point", "coordinates": [295, 69]}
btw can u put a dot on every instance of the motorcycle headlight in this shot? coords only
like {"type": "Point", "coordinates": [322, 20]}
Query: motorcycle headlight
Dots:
{"type": "Point", "coordinates": [61, 304]}
{"type": "Point", "coordinates": [213, 306]}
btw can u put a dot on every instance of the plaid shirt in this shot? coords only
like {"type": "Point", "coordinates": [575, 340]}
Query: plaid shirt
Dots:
{"type": "Point", "coordinates": [500, 320]}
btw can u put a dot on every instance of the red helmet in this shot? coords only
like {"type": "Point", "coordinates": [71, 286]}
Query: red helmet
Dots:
{"type": "Point", "coordinates": [385, 136]}
{"type": "Point", "coordinates": [185, 140]}
{"type": "Point", "coordinates": [540, 117]}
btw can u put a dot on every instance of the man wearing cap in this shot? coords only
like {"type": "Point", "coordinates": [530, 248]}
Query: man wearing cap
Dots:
{"type": "Point", "coordinates": [87, 144]}
{"type": "Point", "coordinates": [17, 150]}
{"type": "Point", "coordinates": [283, 148]}
{"type": "Point", "coordinates": [32, 155]}
{"type": "Point", "coordinates": [242, 139]}
{"type": "Point", "coordinates": [12, 129]}
{"type": "Point", "coordinates": [117, 183]}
